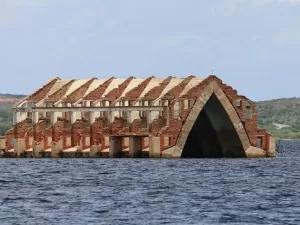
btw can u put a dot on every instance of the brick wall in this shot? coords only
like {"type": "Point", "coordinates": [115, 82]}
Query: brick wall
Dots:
{"type": "Point", "coordinates": [79, 92]}
{"type": "Point", "coordinates": [43, 91]}
{"type": "Point", "coordinates": [99, 130]}
{"type": "Point", "coordinates": [136, 92]}
{"type": "Point", "coordinates": [117, 92]}
{"type": "Point", "coordinates": [155, 92]}
{"type": "Point", "coordinates": [81, 130]}
{"type": "Point", "coordinates": [177, 90]}
{"type": "Point", "coordinates": [57, 130]}
{"type": "Point", "coordinates": [99, 91]}
{"type": "Point", "coordinates": [77, 133]}
{"type": "Point", "coordinates": [250, 124]}
{"type": "Point", "coordinates": [171, 132]}
{"type": "Point", "coordinates": [138, 125]}
{"type": "Point", "coordinates": [59, 94]}
{"type": "Point", "coordinates": [157, 125]}
{"type": "Point", "coordinates": [18, 131]}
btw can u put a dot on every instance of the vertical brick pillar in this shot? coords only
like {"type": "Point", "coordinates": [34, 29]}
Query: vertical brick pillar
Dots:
{"type": "Point", "coordinates": [135, 147]}
{"type": "Point", "coordinates": [115, 147]}
{"type": "Point", "coordinates": [57, 138]}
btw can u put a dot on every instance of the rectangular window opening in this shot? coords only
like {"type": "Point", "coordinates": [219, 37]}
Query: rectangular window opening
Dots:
{"type": "Point", "coordinates": [248, 112]}
{"type": "Point", "coordinates": [186, 104]}
{"type": "Point", "coordinates": [259, 142]}
{"type": "Point", "coordinates": [12, 142]}
{"type": "Point", "coordinates": [238, 103]}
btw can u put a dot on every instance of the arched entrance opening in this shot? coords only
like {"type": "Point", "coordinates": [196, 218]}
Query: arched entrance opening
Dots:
{"type": "Point", "coordinates": [213, 134]}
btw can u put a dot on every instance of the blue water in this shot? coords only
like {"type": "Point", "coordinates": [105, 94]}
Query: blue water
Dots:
{"type": "Point", "coordinates": [152, 191]}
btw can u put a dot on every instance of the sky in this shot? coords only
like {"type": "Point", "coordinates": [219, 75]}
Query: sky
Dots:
{"type": "Point", "coordinates": [252, 45]}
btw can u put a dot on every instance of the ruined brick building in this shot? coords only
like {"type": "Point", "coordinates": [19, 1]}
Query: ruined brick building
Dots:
{"type": "Point", "coordinates": [153, 117]}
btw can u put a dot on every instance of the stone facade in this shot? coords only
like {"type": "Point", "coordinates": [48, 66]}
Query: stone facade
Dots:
{"type": "Point", "coordinates": [131, 117]}
{"type": "Point", "coordinates": [2, 143]}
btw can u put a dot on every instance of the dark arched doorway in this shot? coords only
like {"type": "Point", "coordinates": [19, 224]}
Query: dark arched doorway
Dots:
{"type": "Point", "coordinates": [213, 134]}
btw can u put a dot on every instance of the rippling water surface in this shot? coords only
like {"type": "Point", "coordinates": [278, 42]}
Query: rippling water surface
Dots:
{"type": "Point", "coordinates": [147, 191]}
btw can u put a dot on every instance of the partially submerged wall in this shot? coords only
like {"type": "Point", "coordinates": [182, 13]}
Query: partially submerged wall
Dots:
{"type": "Point", "coordinates": [182, 101]}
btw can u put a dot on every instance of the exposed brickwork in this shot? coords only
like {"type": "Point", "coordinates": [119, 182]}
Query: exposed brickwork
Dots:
{"type": "Point", "coordinates": [157, 125]}
{"type": "Point", "coordinates": [18, 131]}
{"type": "Point", "coordinates": [185, 111]}
{"type": "Point", "coordinates": [79, 92]}
{"type": "Point", "coordinates": [195, 92]}
{"type": "Point", "coordinates": [21, 128]}
{"type": "Point", "coordinates": [86, 134]}
{"type": "Point", "coordinates": [139, 126]}
{"type": "Point", "coordinates": [265, 138]}
{"type": "Point", "coordinates": [96, 133]}
{"type": "Point", "coordinates": [136, 92]}
{"type": "Point", "coordinates": [57, 130]}
{"type": "Point", "coordinates": [125, 130]}
{"type": "Point", "coordinates": [99, 129]}
{"type": "Point", "coordinates": [43, 91]}
{"type": "Point", "coordinates": [59, 94]}
{"type": "Point", "coordinates": [76, 132]}
{"type": "Point", "coordinates": [117, 125]}
{"type": "Point", "coordinates": [165, 126]}
{"type": "Point", "coordinates": [67, 138]}
{"type": "Point", "coordinates": [99, 91]}
{"type": "Point", "coordinates": [250, 124]}
{"type": "Point", "coordinates": [38, 130]}
{"type": "Point", "coordinates": [172, 131]}
{"type": "Point", "coordinates": [117, 92]}
{"type": "Point", "coordinates": [155, 92]}
{"type": "Point", "coordinates": [48, 137]}
{"type": "Point", "coordinates": [177, 90]}
{"type": "Point", "coordinates": [40, 93]}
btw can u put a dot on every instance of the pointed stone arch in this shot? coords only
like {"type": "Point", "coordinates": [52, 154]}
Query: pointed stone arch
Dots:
{"type": "Point", "coordinates": [213, 88]}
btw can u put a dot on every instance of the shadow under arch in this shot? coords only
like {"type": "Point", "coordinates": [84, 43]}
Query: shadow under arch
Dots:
{"type": "Point", "coordinates": [213, 134]}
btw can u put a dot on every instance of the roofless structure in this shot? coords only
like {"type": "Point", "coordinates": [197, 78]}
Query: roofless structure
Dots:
{"type": "Point", "coordinates": [173, 117]}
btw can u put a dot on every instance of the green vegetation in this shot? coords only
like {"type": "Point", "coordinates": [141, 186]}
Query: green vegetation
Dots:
{"type": "Point", "coordinates": [5, 117]}
{"type": "Point", "coordinates": [6, 103]}
{"type": "Point", "coordinates": [14, 96]}
{"type": "Point", "coordinates": [284, 112]}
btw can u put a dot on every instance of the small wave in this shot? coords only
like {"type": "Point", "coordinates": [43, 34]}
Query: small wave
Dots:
{"type": "Point", "coordinates": [161, 187]}
{"type": "Point", "coordinates": [5, 181]}
{"type": "Point", "coordinates": [260, 207]}
{"type": "Point", "coordinates": [58, 194]}
{"type": "Point", "coordinates": [42, 200]}
{"type": "Point", "coordinates": [105, 173]}
{"type": "Point", "coordinates": [101, 211]}
{"type": "Point", "coordinates": [11, 199]}
{"type": "Point", "coordinates": [210, 197]}
{"type": "Point", "coordinates": [228, 218]}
